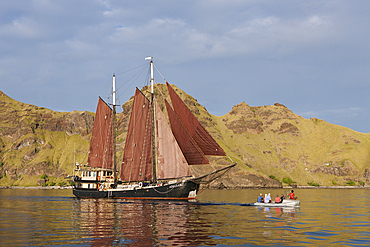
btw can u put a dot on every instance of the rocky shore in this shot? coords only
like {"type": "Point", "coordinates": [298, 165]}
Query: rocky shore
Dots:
{"type": "Point", "coordinates": [38, 187]}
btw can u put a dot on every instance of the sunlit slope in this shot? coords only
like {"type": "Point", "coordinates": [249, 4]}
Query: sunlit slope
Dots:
{"type": "Point", "coordinates": [36, 141]}
{"type": "Point", "coordinates": [275, 141]}
{"type": "Point", "coordinates": [264, 141]}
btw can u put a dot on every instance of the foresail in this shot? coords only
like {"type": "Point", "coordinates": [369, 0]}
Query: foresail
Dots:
{"type": "Point", "coordinates": [205, 141]}
{"type": "Point", "coordinates": [171, 161]}
{"type": "Point", "coordinates": [137, 156]}
{"type": "Point", "coordinates": [101, 144]}
{"type": "Point", "coordinates": [189, 147]}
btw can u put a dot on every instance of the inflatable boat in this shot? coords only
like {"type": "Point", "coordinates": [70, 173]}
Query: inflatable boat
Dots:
{"type": "Point", "coordinates": [285, 203]}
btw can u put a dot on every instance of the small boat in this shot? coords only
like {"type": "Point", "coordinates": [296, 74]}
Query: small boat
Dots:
{"type": "Point", "coordinates": [156, 158]}
{"type": "Point", "coordinates": [285, 203]}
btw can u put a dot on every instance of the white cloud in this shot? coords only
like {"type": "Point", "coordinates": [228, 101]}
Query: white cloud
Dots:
{"type": "Point", "coordinates": [284, 50]}
{"type": "Point", "coordinates": [337, 113]}
{"type": "Point", "coordinates": [270, 33]}
{"type": "Point", "coordinates": [182, 39]}
{"type": "Point", "coordinates": [23, 27]}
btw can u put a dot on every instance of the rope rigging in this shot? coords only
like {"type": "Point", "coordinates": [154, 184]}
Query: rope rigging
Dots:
{"type": "Point", "coordinates": [132, 79]}
{"type": "Point", "coordinates": [139, 72]}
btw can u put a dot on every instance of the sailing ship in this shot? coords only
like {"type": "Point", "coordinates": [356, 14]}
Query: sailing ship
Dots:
{"type": "Point", "coordinates": [156, 158]}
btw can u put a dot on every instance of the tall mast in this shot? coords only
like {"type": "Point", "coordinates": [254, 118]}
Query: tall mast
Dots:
{"type": "Point", "coordinates": [152, 110]}
{"type": "Point", "coordinates": [114, 130]}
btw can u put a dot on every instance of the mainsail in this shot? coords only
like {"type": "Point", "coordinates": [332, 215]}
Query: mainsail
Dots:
{"type": "Point", "coordinates": [101, 145]}
{"type": "Point", "coordinates": [205, 141]}
{"type": "Point", "coordinates": [137, 156]}
{"type": "Point", "coordinates": [184, 145]}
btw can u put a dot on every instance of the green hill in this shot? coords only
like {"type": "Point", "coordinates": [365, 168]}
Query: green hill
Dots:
{"type": "Point", "coordinates": [266, 142]}
{"type": "Point", "coordinates": [275, 141]}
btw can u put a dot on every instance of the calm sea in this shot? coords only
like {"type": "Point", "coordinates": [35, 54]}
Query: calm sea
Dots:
{"type": "Point", "coordinates": [336, 217]}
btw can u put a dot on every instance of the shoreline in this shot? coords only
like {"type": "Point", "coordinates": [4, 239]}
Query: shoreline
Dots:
{"type": "Point", "coordinates": [38, 187]}
{"type": "Point", "coordinates": [284, 187]}
{"type": "Point", "coordinates": [329, 187]}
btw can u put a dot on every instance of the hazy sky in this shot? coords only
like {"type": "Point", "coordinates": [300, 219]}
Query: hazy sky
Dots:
{"type": "Point", "coordinates": [312, 56]}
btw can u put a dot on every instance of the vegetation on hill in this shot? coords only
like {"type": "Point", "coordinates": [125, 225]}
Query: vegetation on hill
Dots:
{"type": "Point", "coordinates": [271, 144]}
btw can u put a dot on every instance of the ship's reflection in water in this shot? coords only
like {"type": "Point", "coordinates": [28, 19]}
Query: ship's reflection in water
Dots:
{"type": "Point", "coordinates": [103, 222]}
{"type": "Point", "coordinates": [219, 218]}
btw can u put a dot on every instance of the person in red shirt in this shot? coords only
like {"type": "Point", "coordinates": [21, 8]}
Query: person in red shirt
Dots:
{"type": "Point", "coordinates": [291, 195]}
{"type": "Point", "coordinates": [277, 199]}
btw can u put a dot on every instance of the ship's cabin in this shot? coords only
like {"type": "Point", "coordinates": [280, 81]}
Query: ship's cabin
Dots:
{"type": "Point", "coordinates": [86, 177]}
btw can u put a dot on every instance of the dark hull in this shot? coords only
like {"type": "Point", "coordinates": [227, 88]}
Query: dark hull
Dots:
{"type": "Point", "coordinates": [179, 191]}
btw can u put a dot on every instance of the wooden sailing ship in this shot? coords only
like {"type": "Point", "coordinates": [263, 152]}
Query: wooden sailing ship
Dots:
{"type": "Point", "coordinates": [156, 157]}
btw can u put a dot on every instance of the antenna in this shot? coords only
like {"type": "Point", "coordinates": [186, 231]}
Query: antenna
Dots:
{"type": "Point", "coordinates": [114, 89]}
{"type": "Point", "coordinates": [151, 73]}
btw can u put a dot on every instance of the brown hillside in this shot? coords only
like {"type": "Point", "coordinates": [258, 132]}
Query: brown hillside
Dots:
{"type": "Point", "coordinates": [36, 141]}
{"type": "Point", "coordinates": [264, 140]}
{"type": "Point", "coordinates": [275, 141]}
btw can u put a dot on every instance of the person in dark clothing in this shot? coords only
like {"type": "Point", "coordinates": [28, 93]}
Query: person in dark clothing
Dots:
{"type": "Point", "coordinates": [282, 197]}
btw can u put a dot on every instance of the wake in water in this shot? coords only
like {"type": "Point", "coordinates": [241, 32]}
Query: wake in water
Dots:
{"type": "Point", "coordinates": [175, 202]}
{"type": "Point", "coordinates": [223, 203]}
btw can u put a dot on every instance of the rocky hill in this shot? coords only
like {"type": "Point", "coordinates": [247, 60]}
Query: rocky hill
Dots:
{"type": "Point", "coordinates": [271, 144]}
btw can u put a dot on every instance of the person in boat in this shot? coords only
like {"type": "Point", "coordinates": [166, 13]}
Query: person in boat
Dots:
{"type": "Point", "coordinates": [282, 197]}
{"type": "Point", "coordinates": [291, 195]}
{"type": "Point", "coordinates": [267, 198]}
{"type": "Point", "coordinates": [277, 199]}
{"type": "Point", "coordinates": [260, 198]}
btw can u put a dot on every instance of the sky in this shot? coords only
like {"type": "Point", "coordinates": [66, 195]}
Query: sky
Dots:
{"type": "Point", "coordinates": [311, 56]}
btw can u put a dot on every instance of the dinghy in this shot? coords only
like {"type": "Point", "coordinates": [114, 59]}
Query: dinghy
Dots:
{"type": "Point", "coordinates": [285, 203]}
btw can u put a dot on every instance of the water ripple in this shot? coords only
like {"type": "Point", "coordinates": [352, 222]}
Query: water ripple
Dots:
{"type": "Point", "coordinates": [54, 218]}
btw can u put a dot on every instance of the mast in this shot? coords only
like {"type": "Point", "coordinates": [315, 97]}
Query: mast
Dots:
{"type": "Point", "coordinates": [152, 110]}
{"type": "Point", "coordinates": [114, 129]}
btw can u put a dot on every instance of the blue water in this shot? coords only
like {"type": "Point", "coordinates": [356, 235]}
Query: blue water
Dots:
{"type": "Point", "coordinates": [327, 217]}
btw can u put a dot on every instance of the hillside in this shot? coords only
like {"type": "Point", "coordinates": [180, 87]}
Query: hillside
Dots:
{"type": "Point", "coordinates": [275, 141]}
{"type": "Point", "coordinates": [264, 141]}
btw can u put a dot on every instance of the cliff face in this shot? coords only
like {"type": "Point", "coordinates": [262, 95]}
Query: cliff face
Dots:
{"type": "Point", "coordinates": [265, 141]}
{"type": "Point", "coordinates": [36, 141]}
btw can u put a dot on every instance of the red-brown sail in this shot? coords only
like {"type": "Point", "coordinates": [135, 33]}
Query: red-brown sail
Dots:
{"type": "Point", "coordinates": [189, 147]}
{"type": "Point", "coordinates": [205, 141]}
{"type": "Point", "coordinates": [101, 144]}
{"type": "Point", "coordinates": [171, 161]}
{"type": "Point", "coordinates": [137, 156]}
